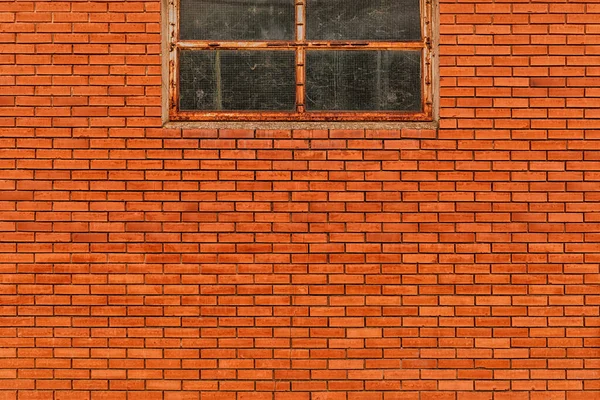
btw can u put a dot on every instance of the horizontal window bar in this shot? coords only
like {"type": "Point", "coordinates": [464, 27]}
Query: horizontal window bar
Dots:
{"type": "Point", "coordinates": [306, 116]}
{"type": "Point", "coordinates": [346, 45]}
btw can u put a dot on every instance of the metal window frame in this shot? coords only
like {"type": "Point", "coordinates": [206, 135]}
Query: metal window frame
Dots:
{"type": "Point", "coordinates": [300, 45]}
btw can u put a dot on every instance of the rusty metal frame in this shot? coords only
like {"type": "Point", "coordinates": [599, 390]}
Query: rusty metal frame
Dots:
{"type": "Point", "coordinates": [299, 46]}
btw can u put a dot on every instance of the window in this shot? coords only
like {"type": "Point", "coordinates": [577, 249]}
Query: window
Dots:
{"type": "Point", "coordinates": [300, 60]}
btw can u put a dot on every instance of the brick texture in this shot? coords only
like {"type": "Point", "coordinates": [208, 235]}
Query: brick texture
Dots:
{"type": "Point", "coordinates": [192, 264]}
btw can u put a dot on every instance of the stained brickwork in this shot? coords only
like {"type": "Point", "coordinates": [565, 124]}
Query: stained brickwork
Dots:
{"type": "Point", "coordinates": [191, 264]}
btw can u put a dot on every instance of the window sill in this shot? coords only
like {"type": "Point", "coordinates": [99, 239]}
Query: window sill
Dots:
{"type": "Point", "coordinates": [298, 125]}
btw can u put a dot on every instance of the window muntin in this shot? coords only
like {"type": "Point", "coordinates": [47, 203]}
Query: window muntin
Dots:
{"type": "Point", "coordinates": [280, 60]}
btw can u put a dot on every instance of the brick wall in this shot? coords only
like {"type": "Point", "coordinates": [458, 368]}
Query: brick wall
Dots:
{"type": "Point", "coordinates": [147, 263]}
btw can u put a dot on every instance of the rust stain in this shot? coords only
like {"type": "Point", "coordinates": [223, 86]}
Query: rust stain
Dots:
{"type": "Point", "coordinates": [301, 116]}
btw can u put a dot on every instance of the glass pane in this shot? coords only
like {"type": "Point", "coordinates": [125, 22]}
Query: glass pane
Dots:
{"type": "Point", "coordinates": [394, 20]}
{"type": "Point", "coordinates": [366, 80]}
{"type": "Point", "coordinates": [236, 20]}
{"type": "Point", "coordinates": [237, 80]}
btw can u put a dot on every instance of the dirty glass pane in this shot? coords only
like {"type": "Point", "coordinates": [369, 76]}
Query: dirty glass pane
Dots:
{"type": "Point", "coordinates": [365, 80]}
{"type": "Point", "coordinates": [237, 80]}
{"type": "Point", "coordinates": [393, 20]}
{"type": "Point", "coordinates": [236, 20]}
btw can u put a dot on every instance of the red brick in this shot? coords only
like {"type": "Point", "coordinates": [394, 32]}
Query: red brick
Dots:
{"type": "Point", "coordinates": [457, 261]}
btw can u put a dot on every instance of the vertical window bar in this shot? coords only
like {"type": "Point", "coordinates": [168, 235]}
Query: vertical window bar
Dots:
{"type": "Point", "coordinates": [300, 72]}
{"type": "Point", "coordinates": [173, 39]}
{"type": "Point", "coordinates": [427, 38]}
{"type": "Point", "coordinates": [300, 18]}
{"type": "Point", "coordinates": [300, 38]}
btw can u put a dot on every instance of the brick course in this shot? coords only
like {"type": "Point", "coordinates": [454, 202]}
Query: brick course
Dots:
{"type": "Point", "coordinates": [231, 264]}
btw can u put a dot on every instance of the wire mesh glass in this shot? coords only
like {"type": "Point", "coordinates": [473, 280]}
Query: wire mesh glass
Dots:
{"type": "Point", "coordinates": [363, 80]}
{"type": "Point", "coordinates": [236, 20]}
{"type": "Point", "coordinates": [374, 20]}
{"type": "Point", "coordinates": [237, 80]}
